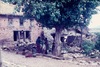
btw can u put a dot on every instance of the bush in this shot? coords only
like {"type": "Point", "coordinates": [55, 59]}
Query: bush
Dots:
{"type": "Point", "coordinates": [97, 46]}
{"type": "Point", "coordinates": [88, 46]}
{"type": "Point", "coordinates": [95, 54]}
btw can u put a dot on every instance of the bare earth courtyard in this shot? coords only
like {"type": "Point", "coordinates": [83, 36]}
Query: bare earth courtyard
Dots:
{"type": "Point", "coordinates": [15, 60]}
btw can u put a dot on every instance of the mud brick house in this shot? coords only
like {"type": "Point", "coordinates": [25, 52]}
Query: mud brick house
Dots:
{"type": "Point", "coordinates": [13, 28]}
{"type": "Point", "coordinates": [74, 37]}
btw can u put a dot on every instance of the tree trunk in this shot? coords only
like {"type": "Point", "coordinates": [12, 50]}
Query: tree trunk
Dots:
{"type": "Point", "coordinates": [57, 49]}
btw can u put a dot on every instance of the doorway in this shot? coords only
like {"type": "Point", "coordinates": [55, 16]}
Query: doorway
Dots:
{"type": "Point", "coordinates": [17, 35]}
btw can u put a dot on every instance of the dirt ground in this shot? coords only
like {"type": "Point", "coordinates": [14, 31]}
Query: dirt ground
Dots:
{"type": "Point", "coordinates": [15, 60]}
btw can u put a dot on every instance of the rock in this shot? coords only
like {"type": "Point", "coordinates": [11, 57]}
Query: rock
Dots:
{"type": "Point", "coordinates": [72, 56]}
{"type": "Point", "coordinates": [83, 62]}
{"type": "Point", "coordinates": [74, 49]}
{"type": "Point", "coordinates": [98, 63]}
{"type": "Point", "coordinates": [67, 56]}
{"type": "Point", "coordinates": [93, 63]}
{"type": "Point", "coordinates": [78, 55]}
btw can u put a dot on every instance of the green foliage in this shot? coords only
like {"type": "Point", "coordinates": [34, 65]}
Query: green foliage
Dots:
{"type": "Point", "coordinates": [88, 46]}
{"type": "Point", "coordinates": [92, 49]}
{"type": "Point", "coordinates": [97, 46]}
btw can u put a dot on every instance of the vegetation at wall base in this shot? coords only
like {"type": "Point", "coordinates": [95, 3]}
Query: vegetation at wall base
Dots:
{"type": "Point", "coordinates": [88, 46]}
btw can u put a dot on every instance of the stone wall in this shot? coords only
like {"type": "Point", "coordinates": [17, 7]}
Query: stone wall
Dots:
{"type": "Point", "coordinates": [35, 31]}
{"type": "Point", "coordinates": [6, 30]}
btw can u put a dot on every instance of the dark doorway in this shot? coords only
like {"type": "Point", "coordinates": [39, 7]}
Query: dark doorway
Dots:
{"type": "Point", "coordinates": [28, 35]}
{"type": "Point", "coordinates": [17, 35]}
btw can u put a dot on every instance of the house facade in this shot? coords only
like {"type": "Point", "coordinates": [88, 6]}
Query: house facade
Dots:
{"type": "Point", "coordinates": [14, 27]}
